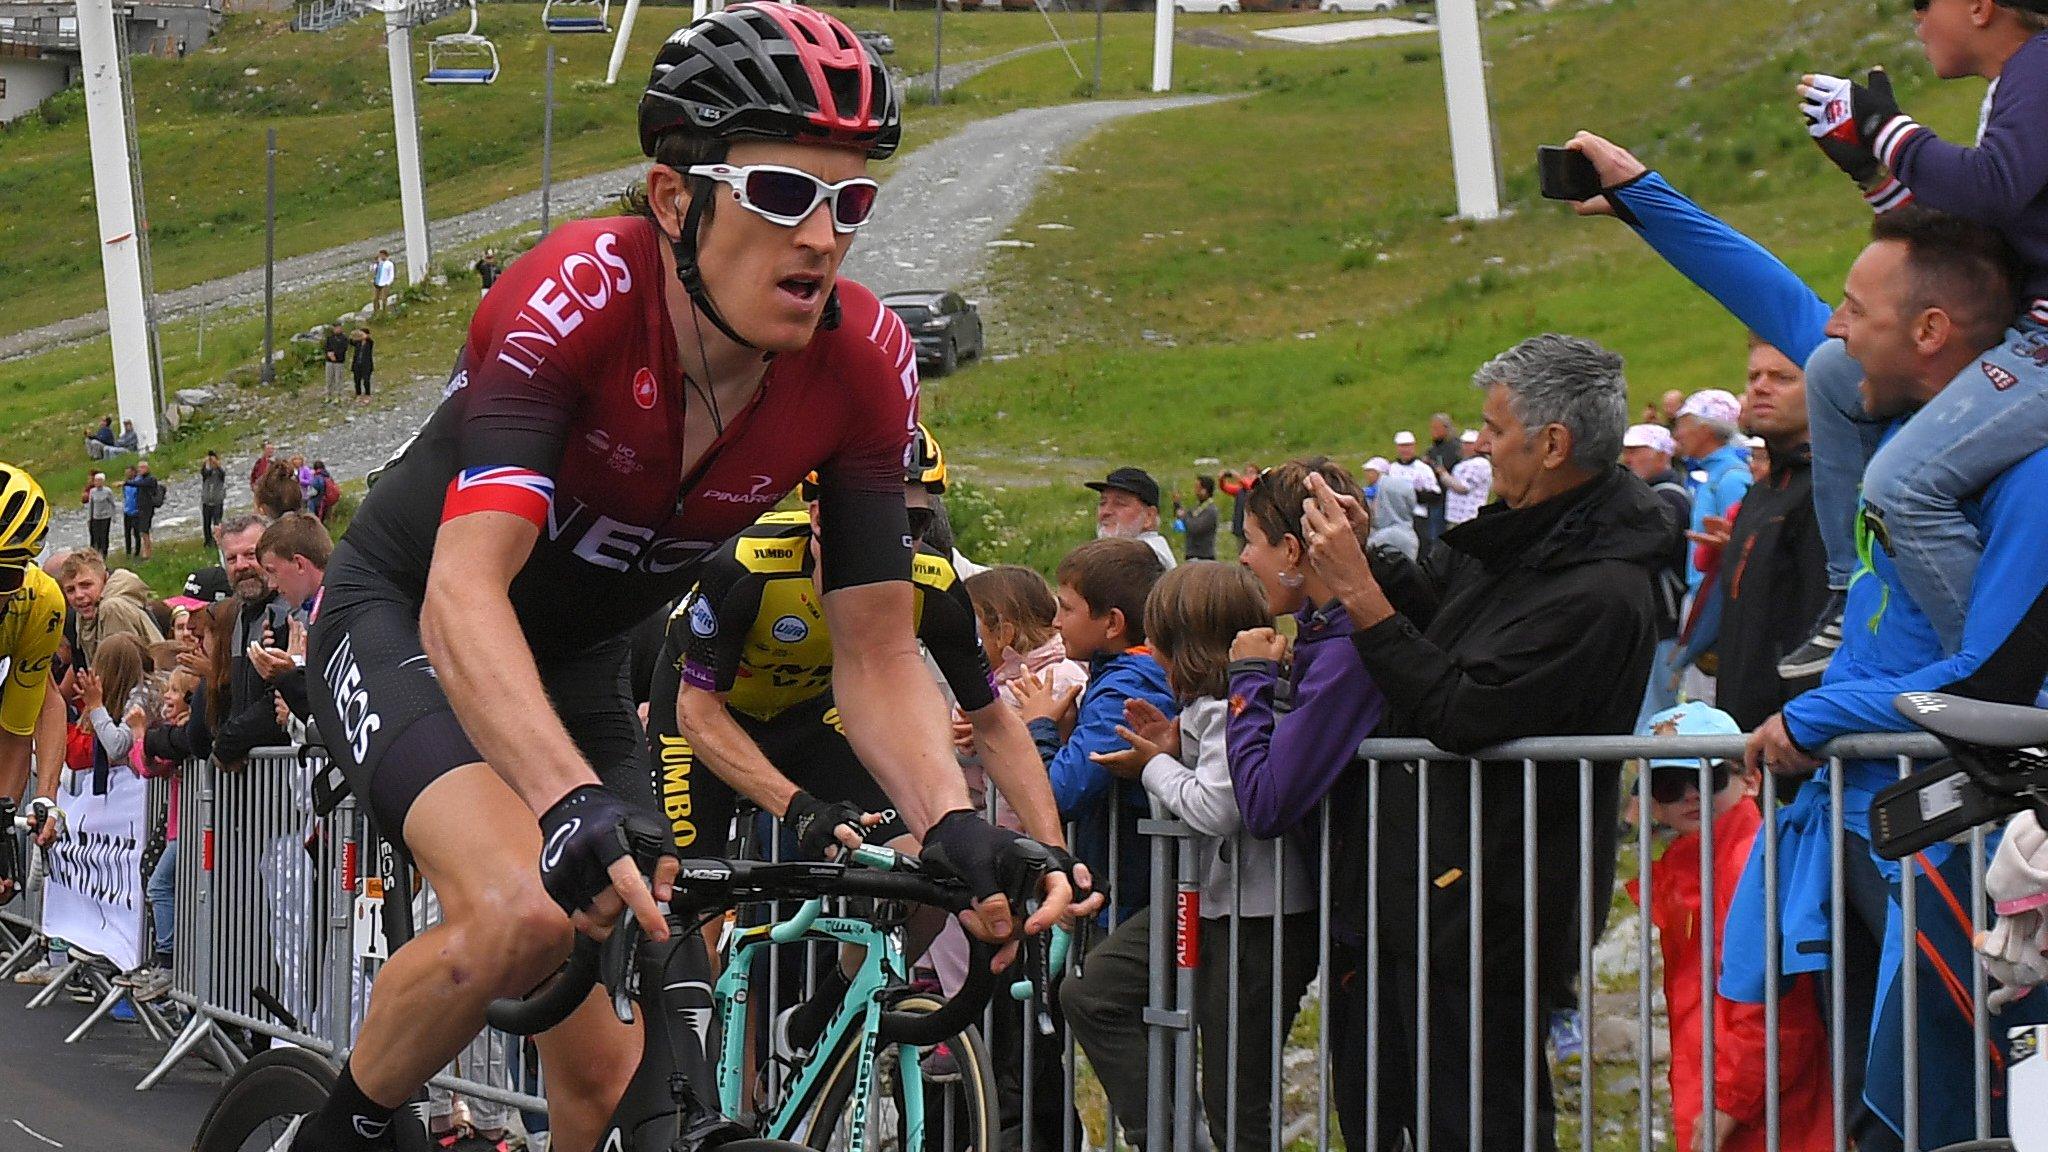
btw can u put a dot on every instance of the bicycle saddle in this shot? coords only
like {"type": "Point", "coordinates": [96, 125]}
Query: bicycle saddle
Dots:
{"type": "Point", "coordinates": [1975, 722]}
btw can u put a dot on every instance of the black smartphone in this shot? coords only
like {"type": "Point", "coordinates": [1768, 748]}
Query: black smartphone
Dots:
{"type": "Point", "coordinates": [1565, 174]}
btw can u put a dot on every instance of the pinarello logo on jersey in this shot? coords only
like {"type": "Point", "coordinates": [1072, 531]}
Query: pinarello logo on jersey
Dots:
{"type": "Point", "coordinates": [763, 491]}
{"type": "Point", "coordinates": [644, 391]}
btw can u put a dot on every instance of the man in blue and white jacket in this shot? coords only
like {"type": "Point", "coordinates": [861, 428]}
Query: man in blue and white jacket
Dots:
{"type": "Point", "coordinates": [1890, 645]}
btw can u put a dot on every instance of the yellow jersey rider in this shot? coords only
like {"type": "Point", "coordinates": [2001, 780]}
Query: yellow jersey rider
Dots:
{"type": "Point", "coordinates": [31, 630]}
{"type": "Point", "coordinates": [748, 664]}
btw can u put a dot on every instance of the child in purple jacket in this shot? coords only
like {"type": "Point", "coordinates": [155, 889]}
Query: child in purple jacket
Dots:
{"type": "Point", "coordinates": [1993, 414]}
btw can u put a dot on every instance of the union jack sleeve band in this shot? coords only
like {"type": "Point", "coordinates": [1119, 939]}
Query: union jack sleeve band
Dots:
{"type": "Point", "coordinates": [1892, 137]}
{"type": "Point", "coordinates": [1888, 195]}
{"type": "Point", "coordinates": [521, 491]}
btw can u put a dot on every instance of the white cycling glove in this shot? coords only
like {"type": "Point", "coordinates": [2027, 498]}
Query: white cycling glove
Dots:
{"type": "Point", "coordinates": [2015, 950]}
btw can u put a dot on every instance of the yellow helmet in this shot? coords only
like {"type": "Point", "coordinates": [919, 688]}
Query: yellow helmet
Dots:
{"type": "Point", "coordinates": [926, 463]}
{"type": "Point", "coordinates": [24, 516]}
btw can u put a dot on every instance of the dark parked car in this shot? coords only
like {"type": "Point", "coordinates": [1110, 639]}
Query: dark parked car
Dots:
{"type": "Point", "coordinates": [946, 327]}
{"type": "Point", "coordinates": [883, 43]}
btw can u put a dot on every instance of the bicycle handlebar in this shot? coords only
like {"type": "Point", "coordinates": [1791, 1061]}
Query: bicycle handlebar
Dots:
{"type": "Point", "coordinates": [704, 885]}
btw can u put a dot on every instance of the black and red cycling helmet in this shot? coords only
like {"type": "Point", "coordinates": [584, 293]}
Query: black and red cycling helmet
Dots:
{"type": "Point", "coordinates": [772, 71]}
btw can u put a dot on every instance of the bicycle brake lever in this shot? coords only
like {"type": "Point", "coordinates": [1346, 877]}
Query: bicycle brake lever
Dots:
{"type": "Point", "coordinates": [619, 966]}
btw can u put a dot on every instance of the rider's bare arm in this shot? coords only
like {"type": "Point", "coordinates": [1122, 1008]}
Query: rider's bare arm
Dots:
{"type": "Point", "coordinates": [479, 653]}
{"type": "Point", "coordinates": [1011, 759]}
{"type": "Point", "coordinates": [14, 753]}
{"type": "Point", "coordinates": [894, 715]}
{"type": "Point", "coordinates": [720, 742]}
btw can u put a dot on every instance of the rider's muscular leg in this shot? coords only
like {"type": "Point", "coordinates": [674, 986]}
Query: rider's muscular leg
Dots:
{"type": "Point", "coordinates": [587, 1060]}
{"type": "Point", "coordinates": [478, 844]}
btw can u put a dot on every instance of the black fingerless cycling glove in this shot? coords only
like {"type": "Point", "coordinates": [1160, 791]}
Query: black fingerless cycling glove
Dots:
{"type": "Point", "coordinates": [584, 833]}
{"type": "Point", "coordinates": [990, 860]}
{"type": "Point", "coordinates": [815, 823]}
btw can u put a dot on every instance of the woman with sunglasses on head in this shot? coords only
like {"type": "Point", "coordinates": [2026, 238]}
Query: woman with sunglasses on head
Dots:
{"type": "Point", "coordinates": [1676, 902]}
{"type": "Point", "coordinates": [634, 390]}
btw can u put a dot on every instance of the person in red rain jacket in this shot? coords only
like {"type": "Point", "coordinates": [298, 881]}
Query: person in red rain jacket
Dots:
{"type": "Point", "coordinates": [1676, 892]}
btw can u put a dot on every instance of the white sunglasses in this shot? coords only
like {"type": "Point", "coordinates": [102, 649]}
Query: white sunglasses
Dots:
{"type": "Point", "coordinates": [787, 196]}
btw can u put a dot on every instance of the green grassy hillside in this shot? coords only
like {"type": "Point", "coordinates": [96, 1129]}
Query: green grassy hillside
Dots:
{"type": "Point", "coordinates": [1278, 275]}
{"type": "Point", "coordinates": [202, 119]}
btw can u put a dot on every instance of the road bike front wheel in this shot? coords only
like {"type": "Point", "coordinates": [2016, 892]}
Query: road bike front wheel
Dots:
{"type": "Point", "coordinates": [958, 1082]}
{"type": "Point", "coordinates": [260, 1100]}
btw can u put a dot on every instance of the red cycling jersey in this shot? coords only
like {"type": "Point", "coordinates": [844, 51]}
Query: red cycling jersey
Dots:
{"type": "Point", "coordinates": [566, 408]}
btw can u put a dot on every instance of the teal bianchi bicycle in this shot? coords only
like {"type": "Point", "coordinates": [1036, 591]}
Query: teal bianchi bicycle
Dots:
{"type": "Point", "coordinates": [896, 1069]}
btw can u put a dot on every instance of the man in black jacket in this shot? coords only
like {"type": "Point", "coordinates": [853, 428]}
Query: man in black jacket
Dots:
{"type": "Point", "coordinates": [261, 618]}
{"type": "Point", "coordinates": [334, 352]}
{"type": "Point", "coordinates": [1545, 627]}
{"type": "Point", "coordinates": [1773, 581]}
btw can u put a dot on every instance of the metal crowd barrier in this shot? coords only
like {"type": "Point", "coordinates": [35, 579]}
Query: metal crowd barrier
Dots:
{"type": "Point", "coordinates": [1610, 1067]}
{"type": "Point", "coordinates": [267, 896]}
{"type": "Point", "coordinates": [265, 936]}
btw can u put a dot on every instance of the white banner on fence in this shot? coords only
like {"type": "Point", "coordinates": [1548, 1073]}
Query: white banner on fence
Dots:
{"type": "Point", "coordinates": [92, 894]}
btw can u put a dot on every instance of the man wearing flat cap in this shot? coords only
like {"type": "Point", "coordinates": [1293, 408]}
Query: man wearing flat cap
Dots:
{"type": "Point", "coordinates": [1129, 507]}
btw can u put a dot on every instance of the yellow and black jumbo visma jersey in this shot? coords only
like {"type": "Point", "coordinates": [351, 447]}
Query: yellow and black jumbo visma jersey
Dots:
{"type": "Point", "coordinates": [30, 631]}
{"type": "Point", "coordinates": [754, 629]}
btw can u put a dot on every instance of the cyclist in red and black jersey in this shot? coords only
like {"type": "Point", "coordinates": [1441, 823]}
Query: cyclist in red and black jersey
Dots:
{"type": "Point", "coordinates": [633, 391]}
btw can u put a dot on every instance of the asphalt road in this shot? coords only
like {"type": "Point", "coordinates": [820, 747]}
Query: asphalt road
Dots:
{"type": "Point", "coordinates": [82, 1096]}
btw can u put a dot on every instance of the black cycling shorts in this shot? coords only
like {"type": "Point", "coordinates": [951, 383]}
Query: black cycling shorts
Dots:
{"type": "Point", "coordinates": [383, 717]}
{"type": "Point", "coordinates": [806, 743]}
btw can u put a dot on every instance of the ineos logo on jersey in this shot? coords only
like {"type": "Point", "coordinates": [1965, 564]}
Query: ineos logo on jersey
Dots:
{"type": "Point", "coordinates": [619, 546]}
{"type": "Point", "coordinates": [352, 699]}
{"type": "Point", "coordinates": [367, 1128]}
{"type": "Point", "coordinates": [551, 857]}
{"type": "Point", "coordinates": [585, 281]}
{"type": "Point", "coordinates": [645, 393]}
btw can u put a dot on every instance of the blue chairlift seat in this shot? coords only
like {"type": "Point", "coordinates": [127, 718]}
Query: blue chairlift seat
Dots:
{"type": "Point", "coordinates": [572, 16]}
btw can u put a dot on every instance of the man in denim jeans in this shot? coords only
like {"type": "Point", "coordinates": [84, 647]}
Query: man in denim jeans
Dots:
{"type": "Point", "coordinates": [1995, 410]}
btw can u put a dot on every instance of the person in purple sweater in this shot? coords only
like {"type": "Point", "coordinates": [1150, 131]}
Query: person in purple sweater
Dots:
{"type": "Point", "coordinates": [1992, 414]}
{"type": "Point", "coordinates": [1283, 764]}
{"type": "Point", "coordinates": [1293, 734]}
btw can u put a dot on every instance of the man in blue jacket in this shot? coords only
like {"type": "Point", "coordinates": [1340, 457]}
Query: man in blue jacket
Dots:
{"type": "Point", "coordinates": [1928, 296]}
{"type": "Point", "coordinates": [1889, 647]}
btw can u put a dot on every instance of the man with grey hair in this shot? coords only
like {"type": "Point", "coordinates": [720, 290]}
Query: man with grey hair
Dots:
{"type": "Point", "coordinates": [1544, 627]}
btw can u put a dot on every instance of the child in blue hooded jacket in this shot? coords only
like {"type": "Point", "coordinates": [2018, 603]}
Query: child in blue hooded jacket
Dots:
{"type": "Point", "coordinates": [1101, 620]}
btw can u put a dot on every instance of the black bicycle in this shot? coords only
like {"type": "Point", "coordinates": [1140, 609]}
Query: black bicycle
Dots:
{"type": "Point", "coordinates": [664, 1108]}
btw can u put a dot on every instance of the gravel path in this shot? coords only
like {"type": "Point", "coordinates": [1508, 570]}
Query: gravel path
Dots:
{"type": "Point", "coordinates": [352, 261]}
{"type": "Point", "coordinates": [944, 204]}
